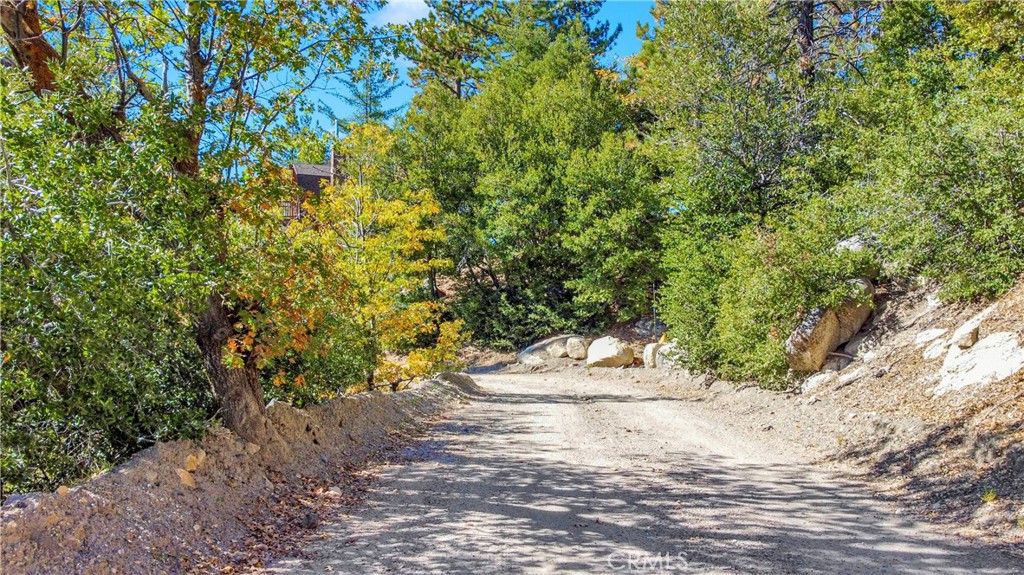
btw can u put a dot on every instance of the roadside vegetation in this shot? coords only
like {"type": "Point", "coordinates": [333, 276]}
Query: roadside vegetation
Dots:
{"type": "Point", "coordinates": [734, 174]}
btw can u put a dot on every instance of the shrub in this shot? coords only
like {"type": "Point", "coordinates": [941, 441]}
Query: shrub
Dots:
{"type": "Point", "coordinates": [99, 358]}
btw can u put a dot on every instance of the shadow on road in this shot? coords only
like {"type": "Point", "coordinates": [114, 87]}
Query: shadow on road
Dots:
{"type": "Point", "coordinates": [490, 494]}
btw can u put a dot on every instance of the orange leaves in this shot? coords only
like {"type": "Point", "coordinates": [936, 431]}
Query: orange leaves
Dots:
{"type": "Point", "coordinates": [346, 278]}
{"type": "Point", "coordinates": [280, 379]}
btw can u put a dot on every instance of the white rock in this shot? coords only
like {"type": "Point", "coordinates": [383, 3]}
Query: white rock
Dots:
{"type": "Point", "coordinates": [576, 347]}
{"type": "Point", "coordinates": [852, 376]}
{"type": "Point", "coordinates": [651, 355]}
{"type": "Point", "coordinates": [670, 356]}
{"type": "Point", "coordinates": [936, 349]}
{"type": "Point", "coordinates": [939, 347]}
{"type": "Point", "coordinates": [544, 350]}
{"type": "Point", "coordinates": [816, 381]}
{"type": "Point", "coordinates": [993, 359]}
{"type": "Point", "coordinates": [609, 351]}
{"type": "Point", "coordinates": [968, 340]}
{"type": "Point", "coordinates": [929, 335]}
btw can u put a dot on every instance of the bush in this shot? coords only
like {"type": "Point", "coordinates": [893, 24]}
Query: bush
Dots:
{"type": "Point", "coordinates": [98, 358]}
{"type": "Point", "coordinates": [944, 192]}
{"type": "Point", "coordinates": [919, 151]}
{"type": "Point", "coordinates": [732, 302]}
{"type": "Point", "coordinates": [775, 278]}
{"type": "Point", "coordinates": [695, 267]}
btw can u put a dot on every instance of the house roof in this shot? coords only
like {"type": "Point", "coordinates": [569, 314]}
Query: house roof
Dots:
{"type": "Point", "coordinates": [322, 170]}
{"type": "Point", "coordinates": [310, 177]}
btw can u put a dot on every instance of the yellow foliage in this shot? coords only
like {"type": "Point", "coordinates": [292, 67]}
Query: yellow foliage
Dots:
{"type": "Point", "coordinates": [367, 250]}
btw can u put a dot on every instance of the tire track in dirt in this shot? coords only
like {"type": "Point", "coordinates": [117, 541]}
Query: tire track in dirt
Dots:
{"type": "Point", "coordinates": [560, 473]}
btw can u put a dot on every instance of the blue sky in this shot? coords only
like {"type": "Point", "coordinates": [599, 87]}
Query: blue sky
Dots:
{"type": "Point", "coordinates": [625, 12]}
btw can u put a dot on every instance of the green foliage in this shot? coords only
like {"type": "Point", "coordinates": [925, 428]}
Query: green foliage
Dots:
{"type": "Point", "coordinates": [777, 275]}
{"type": "Point", "coordinates": [457, 44]}
{"type": "Point", "coordinates": [613, 214]}
{"type": "Point", "coordinates": [748, 142]}
{"type": "Point", "coordinates": [98, 359]}
{"type": "Point", "coordinates": [735, 132]}
{"type": "Point", "coordinates": [940, 167]}
{"type": "Point", "coordinates": [905, 131]}
{"type": "Point", "coordinates": [733, 113]}
{"type": "Point", "coordinates": [552, 221]}
{"type": "Point", "coordinates": [695, 267]}
{"type": "Point", "coordinates": [368, 88]}
{"type": "Point", "coordinates": [989, 495]}
{"type": "Point", "coordinates": [140, 192]}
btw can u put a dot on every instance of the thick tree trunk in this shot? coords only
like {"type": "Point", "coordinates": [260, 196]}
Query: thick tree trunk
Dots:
{"type": "Point", "coordinates": [237, 389]}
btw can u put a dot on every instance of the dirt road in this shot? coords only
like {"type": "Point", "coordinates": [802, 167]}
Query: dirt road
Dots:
{"type": "Point", "coordinates": [552, 474]}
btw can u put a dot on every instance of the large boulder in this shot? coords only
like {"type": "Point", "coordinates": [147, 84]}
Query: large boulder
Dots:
{"type": "Point", "coordinates": [540, 352]}
{"type": "Point", "coordinates": [651, 355]}
{"type": "Point", "coordinates": [810, 343]}
{"type": "Point", "coordinates": [576, 347]}
{"type": "Point", "coordinates": [823, 330]}
{"type": "Point", "coordinates": [670, 356]}
{"type": "Point", "coordinates": [609, 352]}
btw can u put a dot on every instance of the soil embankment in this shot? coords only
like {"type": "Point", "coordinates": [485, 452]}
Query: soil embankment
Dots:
{"type": "Point", "coordinates": [220, 503]}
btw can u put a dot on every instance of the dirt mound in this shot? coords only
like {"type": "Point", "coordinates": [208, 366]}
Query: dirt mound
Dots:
{"type": "Point", "coordinates": [180, 506]}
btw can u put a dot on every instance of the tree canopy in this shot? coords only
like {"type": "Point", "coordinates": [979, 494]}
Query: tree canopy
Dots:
{"type": "Point", "coordinates": [152, 283]}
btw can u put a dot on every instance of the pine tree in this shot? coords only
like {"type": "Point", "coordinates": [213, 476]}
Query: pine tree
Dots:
{"type": "Point", "coordinates": [368, 89]}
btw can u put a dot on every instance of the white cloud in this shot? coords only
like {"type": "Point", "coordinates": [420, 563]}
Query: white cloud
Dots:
{"type": "Point", "coordinates": [400, 12]}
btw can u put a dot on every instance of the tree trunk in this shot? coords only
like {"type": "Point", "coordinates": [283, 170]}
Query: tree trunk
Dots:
{"type": "Point", "coordinates": [23, 31]}
{"type": "Point", "coordinates": [24, 35]}
{"type": "Point", "coordinates": [804, 13]}
{"type": "Point", "coordinates": [236, 389]}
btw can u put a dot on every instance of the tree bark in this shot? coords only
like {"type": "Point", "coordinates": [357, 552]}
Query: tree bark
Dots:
{"type": "Point", "coordinates": [237, 389]}
{"type": "Point", "coordinates": [804, 13]}
{"type": "Point", "coordinates": [24, 34]}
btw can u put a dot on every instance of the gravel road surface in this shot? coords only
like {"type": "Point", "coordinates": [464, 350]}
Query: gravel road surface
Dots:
{"type": "Point", "coordinates": [550, 473]}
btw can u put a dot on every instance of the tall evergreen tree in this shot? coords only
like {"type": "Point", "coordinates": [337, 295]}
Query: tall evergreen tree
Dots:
{"type": "Point", "coordinates": [368, 89]}
{"type": "Point", "coordinates": [459, 41]}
